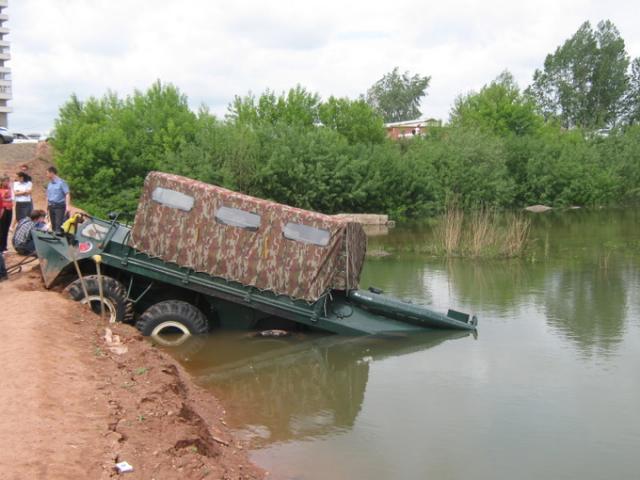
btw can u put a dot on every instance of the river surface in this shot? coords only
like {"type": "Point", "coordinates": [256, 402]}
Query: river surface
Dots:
{"type": "Point", "coordinates": [549, 387]}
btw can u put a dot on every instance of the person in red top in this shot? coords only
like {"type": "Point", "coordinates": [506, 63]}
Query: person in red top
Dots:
{"type": "Point", "coordinates": [6, 211]}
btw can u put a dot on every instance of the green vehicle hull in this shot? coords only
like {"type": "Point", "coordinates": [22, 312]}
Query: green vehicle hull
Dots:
{"type": "Point", "coordinates": [232, 304]}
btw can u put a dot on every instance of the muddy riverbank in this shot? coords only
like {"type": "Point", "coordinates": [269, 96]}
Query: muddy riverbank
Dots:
{"type": "Point", "coordinates": [75, 403]}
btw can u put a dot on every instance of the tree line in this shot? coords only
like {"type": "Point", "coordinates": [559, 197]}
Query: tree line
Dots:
{"type": "Point", "coordinates": [502, 146]}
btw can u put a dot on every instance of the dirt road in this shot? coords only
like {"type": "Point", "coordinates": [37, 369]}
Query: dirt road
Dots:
{"type": "Point", "coordinates": [50, 411]}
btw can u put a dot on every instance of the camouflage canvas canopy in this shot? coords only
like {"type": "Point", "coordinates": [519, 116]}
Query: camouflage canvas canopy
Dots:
{"type": "Point", "coordinates": [256, 242]}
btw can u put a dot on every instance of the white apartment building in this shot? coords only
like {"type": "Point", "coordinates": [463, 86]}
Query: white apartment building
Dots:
{"type": "Point", "coordinates": [5, 72]}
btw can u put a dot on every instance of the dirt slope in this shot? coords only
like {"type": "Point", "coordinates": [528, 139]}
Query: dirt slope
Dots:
{"type": "Point", "coordinates": [70, 408]}
{"type": "Point", "coordinates": [37, 156]}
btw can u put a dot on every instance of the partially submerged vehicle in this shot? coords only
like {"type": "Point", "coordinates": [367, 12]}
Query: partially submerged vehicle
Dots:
{"type": "Point", "coordinates": [200, 257]}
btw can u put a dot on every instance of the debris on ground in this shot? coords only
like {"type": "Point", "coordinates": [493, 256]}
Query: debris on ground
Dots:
{"type": "Point", "coordinates": [114, 343]}
{"type": "Point", "coordinates": [123, 467]}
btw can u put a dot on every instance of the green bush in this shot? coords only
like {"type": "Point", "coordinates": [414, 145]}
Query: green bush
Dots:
{"type": "Point", "coordinates": [468, 166]}
{"type": "Point", "coordinates": [274, 147]}
{"type": "Point", "coordinates": [619, 153]}
{"type": "Point", "coordinates": [564, 168]}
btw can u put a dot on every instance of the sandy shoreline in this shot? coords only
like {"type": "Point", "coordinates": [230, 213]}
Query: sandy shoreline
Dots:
{"type": "Point", "coordinates": [73, 406]}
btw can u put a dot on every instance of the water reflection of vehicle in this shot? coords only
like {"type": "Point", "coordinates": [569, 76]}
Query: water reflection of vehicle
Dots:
{"type": "Point", "coordinates": [287, 388]}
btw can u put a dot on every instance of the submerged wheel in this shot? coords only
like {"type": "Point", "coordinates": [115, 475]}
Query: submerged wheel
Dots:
{"type": "Point", "coordinates": [163, 319]}
{"type": "Point", "coordinates": [116, 303]}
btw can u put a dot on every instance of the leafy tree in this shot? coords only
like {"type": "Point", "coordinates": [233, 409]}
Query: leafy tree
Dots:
{"type": "Point", "coordinates": [467, 165]}
{"type": "Point", "coordinates": [632, 97]}
{"type": "Point", "coordinates": [498, 108]}
{"type": "Point", "coordinates": [495, 152]}
{"type": "Point", "coordinates": [296, 107]}
{"type": "Point", "coordinates": [393, 182]}
{"type": "Point", "coordinates": [583, 82]}
{"type": "Point", "coordinates": [397, 96]}
{"type": "Point", "coordinates": [105, 146]}
{"type": "Point", "coordinates": [353, 119]}
{"type": "Point", "coordinates": [620, 151]}
{"type": "Point", "coordinates": [220, 153]}
{"type": "Point", "coordinates": [569, 168]}
{"type": "Point", "coordinates": [313, 169]}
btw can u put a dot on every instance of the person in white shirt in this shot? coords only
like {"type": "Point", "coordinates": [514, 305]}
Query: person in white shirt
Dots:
{"type": "Point", "coordinates": [22, 195]}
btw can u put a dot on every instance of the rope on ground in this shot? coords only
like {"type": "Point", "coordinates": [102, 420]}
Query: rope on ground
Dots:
{"type": "Point", "coordinates": [17, 268]}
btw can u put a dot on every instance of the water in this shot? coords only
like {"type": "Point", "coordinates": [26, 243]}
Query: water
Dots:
{"type": "Point", "coordinates": [549, 388]}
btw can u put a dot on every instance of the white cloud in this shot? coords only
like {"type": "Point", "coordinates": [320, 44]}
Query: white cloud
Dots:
{"type": "Point", "coordinates": [215, 50]}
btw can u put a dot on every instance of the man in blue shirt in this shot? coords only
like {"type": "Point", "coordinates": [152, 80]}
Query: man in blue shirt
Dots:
{"type": "Point", "coordinates": [58, 198]}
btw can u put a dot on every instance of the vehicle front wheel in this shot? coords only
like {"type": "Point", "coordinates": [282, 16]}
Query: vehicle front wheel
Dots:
{"type": "Point", "coordinates": [116, 304]}
{"type": "Point", "coordinates": [162, 320]}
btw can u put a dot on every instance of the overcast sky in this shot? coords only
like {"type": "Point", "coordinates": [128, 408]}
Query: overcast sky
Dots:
{"type": "Point", "coordinates": [214, 50]}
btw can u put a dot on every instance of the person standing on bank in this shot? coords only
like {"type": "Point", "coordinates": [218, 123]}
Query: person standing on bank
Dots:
{"type": "Point", "coordinates": [22, 195]}
{"type": "Point", "coordinates": [58, 198]}
{"type": "Point", "coordinates": [6, 210]}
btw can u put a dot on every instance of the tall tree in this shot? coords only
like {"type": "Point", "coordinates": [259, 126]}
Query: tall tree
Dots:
{"type": "Point", "coordinates": [584, 81]}
{"type": "Point", "coordinates": [397, 96]}
{"type": "Point", "coordinates": [632, 97]}
{"type": "Point", "coordinates": [498, 108]}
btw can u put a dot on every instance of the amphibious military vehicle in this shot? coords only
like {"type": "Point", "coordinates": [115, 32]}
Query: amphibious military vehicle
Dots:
{"type": "Point", "coordinates": [199, 257]}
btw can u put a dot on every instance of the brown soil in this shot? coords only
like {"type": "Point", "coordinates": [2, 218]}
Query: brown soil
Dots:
{"type": "Point", "coordinates": [37, 156]}
{"type": "Point", "coordinates": [71, 407]}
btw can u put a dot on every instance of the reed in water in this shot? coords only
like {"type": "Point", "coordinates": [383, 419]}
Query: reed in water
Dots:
{"type": "Point", "coordinates": [481, 234]}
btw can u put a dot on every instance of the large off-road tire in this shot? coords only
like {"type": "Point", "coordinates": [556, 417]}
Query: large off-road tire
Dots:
{"type": "Point", "coordinates": [116, 304]}
{"type": "Point", "coordinates": [172, 316]}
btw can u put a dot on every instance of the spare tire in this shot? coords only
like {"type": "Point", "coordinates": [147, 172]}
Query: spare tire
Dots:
{"type": "Point", "coordinates": [117, 304]}
{"type": "Point", "coordinates": [172, 316]}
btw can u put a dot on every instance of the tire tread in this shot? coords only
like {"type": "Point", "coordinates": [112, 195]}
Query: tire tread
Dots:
{"type": "Point", "coordinates": [176, 310]}
{"type": "Point", "coordinates": [112, 289]}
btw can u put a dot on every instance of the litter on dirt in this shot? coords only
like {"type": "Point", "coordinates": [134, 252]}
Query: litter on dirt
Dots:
{"type": "Point", "coordinates": [124, 467]}
{"type": "Point", "coordinates": [114, 343]}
